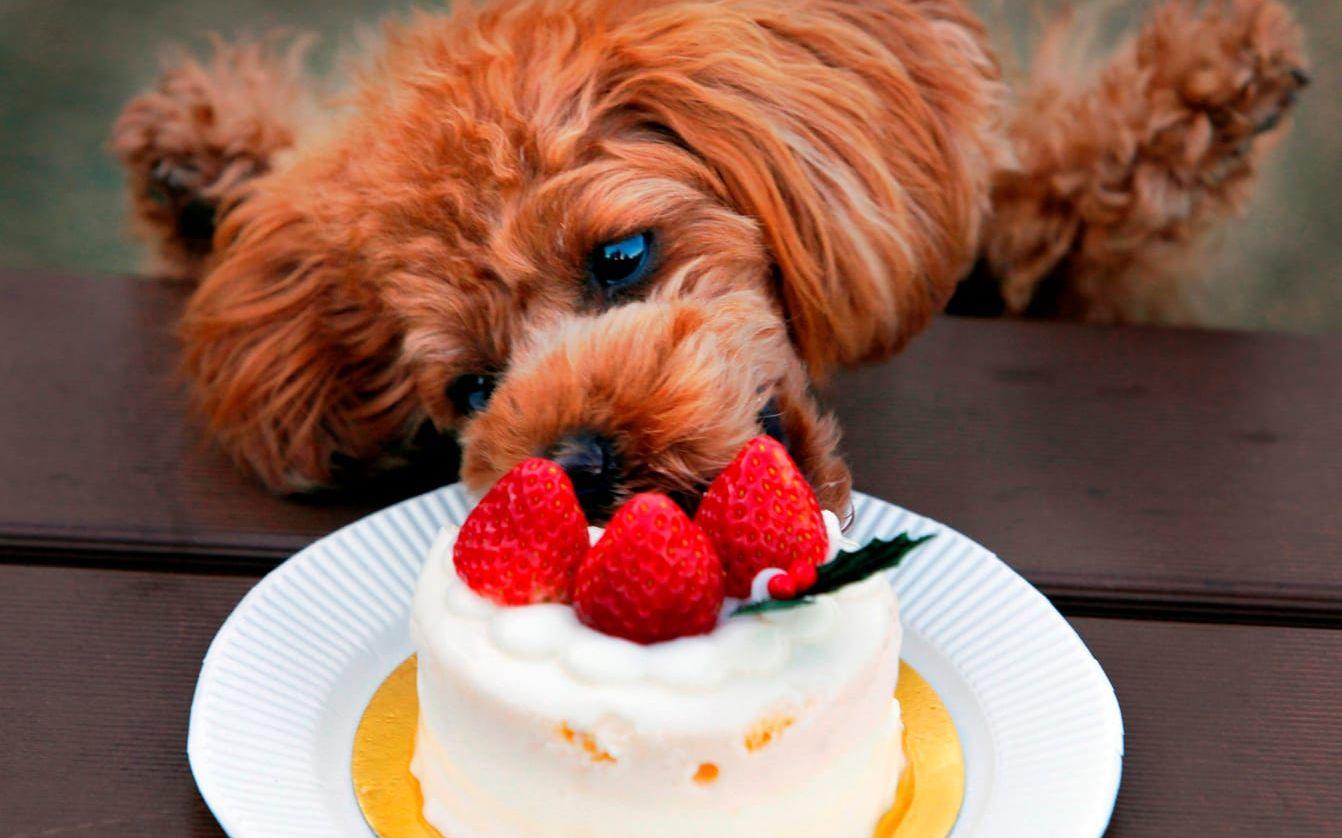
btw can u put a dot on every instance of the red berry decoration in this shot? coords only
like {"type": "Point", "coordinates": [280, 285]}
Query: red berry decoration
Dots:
{"type": "Point", "coordinates": [653, 576]}
{"type": "Point", "coordinates": [782, 586]}
{"type": "Point", "coordinates": [760, 512]}
{"type": "Point", "coordinates": [524, 540]}
{"type": "Point", "coordinates": [802, 583]}
{"type": "Point", "coordinates": [803, 574]}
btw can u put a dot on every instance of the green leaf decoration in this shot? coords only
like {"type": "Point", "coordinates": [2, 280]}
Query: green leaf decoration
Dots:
{"type": "Point", "coordinates": [772, 605]}
{"type": "Point", "coordinates": [873, 557]}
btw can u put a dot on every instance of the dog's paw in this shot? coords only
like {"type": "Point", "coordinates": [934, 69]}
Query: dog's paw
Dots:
{"type": "Point", "coordinates": [189, 145]}
{"type": "Point", "coordinates": [1235, 67]}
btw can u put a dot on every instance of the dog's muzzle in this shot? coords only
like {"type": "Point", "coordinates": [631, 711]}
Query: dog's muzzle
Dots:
{"type": "Point", "coordinates": [592, 464]}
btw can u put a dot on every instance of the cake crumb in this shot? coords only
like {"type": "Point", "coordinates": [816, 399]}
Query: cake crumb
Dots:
{"type": "Point", "coordinates": [766, 730]}
{"type": "Point", "coordinates": [587, 742]}
{"type": "Point", "coordinates": [593, 750]}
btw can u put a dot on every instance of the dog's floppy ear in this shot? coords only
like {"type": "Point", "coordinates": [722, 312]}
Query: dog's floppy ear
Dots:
{"type": "Point", "coordinates": [858, 139]}
{"type": "Point", "coordinates": [291, 365]}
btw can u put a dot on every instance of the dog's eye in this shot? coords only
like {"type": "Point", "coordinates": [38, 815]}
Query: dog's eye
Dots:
{"type": "Point", "coordinates": [623, 263]}
{"type": "Point", "coordinates": [470, 393]}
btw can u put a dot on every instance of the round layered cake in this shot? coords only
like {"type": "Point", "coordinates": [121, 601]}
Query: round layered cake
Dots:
{"type": "Point", "coordinates": [775, 723]}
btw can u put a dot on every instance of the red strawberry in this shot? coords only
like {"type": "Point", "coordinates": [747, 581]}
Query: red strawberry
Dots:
{"type": "Point", "coordinates": [652, 576]}
{"type": "Point", "coordinates": [525, 539]}
{"type": "Point", "coordinates": [760, 512]}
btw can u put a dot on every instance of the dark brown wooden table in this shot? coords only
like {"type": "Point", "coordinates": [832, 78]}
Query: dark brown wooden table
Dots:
{"type": "Point", "coordinates": [1178, 494]}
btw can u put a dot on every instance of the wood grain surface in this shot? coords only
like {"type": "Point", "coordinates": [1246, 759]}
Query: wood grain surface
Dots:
{"type": "Point", "coordinates": [1121, 470]}
{"type": "Point", "coordinates": [97, 670]}
{"type": "Point", "coordinates": [101, 455]}
{"type": "Point", "coordinates": [1231, 730]}
{"type": "Point", "coordinates": [1134, 469]}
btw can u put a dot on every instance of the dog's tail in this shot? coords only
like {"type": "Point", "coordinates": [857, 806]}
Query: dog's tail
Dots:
{"type": "Point", "coordinates": [1117, 172]}
{"type": "Point", "coordinates": [192, 145]}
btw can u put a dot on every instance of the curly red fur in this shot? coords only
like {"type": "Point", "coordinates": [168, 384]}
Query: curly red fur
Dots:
{"type": "Point", "coordinates": [210, 127]}
{"type": "Point", "coordinates": [292, 361]}
{"type": "Point", "coordinates": [1114, 175]}
{"type": "Point", "coordinates": [816, 176]}
{"type": "Point", "coordinates": [818, 169]}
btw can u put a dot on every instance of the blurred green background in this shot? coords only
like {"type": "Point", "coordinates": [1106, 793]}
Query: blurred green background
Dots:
{"type": "Point", "coordinates": [66, 67]}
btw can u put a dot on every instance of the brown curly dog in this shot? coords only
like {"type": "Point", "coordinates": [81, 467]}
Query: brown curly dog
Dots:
{"type": "Point", "coordinates": [631, 235]}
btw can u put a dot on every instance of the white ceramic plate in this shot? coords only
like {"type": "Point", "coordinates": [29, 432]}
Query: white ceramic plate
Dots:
{"type": "Point", "coordinates": [286, 679]}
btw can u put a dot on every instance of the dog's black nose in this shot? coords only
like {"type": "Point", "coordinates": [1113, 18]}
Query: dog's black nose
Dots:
{"type": "Point", "coordinates": [591, 463]}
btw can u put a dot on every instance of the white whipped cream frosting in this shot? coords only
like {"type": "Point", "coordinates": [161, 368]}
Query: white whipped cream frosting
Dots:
{"type": "Point", "coordinates": [758, 646]}
{"type": "Point", "coordinates": [499, 684]}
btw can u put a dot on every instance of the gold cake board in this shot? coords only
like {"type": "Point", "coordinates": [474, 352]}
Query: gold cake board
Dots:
{"type": "Point", "coordinates": [926, 805]}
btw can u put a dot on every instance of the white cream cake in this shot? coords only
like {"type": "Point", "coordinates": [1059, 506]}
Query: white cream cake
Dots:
{"type": "Point", "coordinates": [533, 724]}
